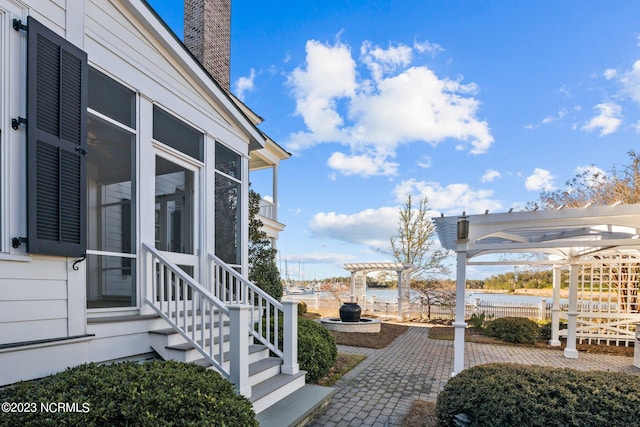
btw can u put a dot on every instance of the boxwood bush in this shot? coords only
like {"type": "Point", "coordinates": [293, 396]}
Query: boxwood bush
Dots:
{"type": "Point", "coordinates": [156, 393]}
{"type": "Point", "coordinates": [317, 350]}
{"type": "Point", "coordinates": [517, 395]}
{"type": "Point", "coordinates": [517, 330]}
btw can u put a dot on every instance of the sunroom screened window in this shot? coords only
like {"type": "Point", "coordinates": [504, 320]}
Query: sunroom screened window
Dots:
{"type": "Point", "coordinates": [176, 134]}
{"type": "Point", "coordinates": [111, 194]}
{"type": "Point", "coordinates": [228, 161]}
{"type": "Point", "coordinates": [112, 99]}
{"type": "Point", "coordinates": [228, 199]}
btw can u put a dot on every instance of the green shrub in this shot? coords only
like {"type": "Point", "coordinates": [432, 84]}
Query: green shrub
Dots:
{"type": "Point", "coordinates": [302, 308]}
{"type": "Point", "coordinates": [148, 394]}
{"type": "Point", "coordinates": [513, 329]}
{"type": "Point", "coordinates": [477, 322]}
{"type": "Point", "coordinates": [317, 349]}
{"type": "Point", "coordinates": [508, 395]}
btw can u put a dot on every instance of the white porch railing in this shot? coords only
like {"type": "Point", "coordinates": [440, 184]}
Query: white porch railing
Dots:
{"type": "Point", "coordinates": [232, 288]}
{"type": "Point", "coordinates": [199, 317]}
{"type": "Point", "coordinates": [267, 209]}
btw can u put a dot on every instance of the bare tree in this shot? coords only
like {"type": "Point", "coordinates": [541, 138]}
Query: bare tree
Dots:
{"type": "Point", "coordinates": [593, 186]}
{"type": "Point", "coordinates": [414, 243]}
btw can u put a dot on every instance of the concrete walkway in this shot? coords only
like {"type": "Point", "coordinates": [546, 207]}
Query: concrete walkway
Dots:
{"type": "Point", "coordinates": [380, 390]}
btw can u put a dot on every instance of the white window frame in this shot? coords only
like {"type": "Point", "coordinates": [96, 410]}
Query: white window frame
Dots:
{"type": "Point", "coordinates": [13, 98]}
{"type": "Point", "coordinates": [136, 165]}
{"type": "Point", "coordinates": [244, 230]}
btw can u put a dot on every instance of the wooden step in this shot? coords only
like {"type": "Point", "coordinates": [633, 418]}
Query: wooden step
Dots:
{"type": "Point", "coordinates": [256, 352]}
{"type": "Point", "coordinates": [268, 392]}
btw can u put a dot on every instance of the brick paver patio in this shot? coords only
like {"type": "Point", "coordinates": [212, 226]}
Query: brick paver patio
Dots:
{"type": "Point", "coordinates": [380, 390]}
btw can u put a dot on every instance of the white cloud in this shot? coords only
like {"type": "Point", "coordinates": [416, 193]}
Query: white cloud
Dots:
{"type": "Point", "coordinates": [425, 162]}
{"type": "Point", "coordinates": [418, 106]}
{"type": "Point", "coordinates": [329, 75]}
{"type": "Point", "coordinates": [490, 175]}
{"type": "Point", "coordinates": [592, 173]}
{"type": "Point", "coordinates": [371, 227]}
{"type": "Point", "coordinates": [399, 104]}
{"type": "Point", "coordinates": [610, 73]}
{"type": "Point", "coordinates": [426, 46]}
{"type": "Point", "coordinates": [631, 82]}
{"type": "Point", "coordinates": [384, 61]}
{"type": "Point", "coordinates": [549, 119]}
{"type": "Point", "coordinates": [450, 199]}
{"type": "Point", "coordinates": [245, 84]}
{"type": "Point", "coordinates": [322, 258]}
{"type": "Point", "coordinates": [608, 120]}
{"type": "Point", "coordinates": [541, 179]}
{"type": "Point", "coordinates": [363, 165]}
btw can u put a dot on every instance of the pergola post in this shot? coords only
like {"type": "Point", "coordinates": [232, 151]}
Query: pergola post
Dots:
{"type": "Point", "coordinates": [555, 309]}
{"type": "Point", "coordinates": [352, 291]}
{"type": "Point", "coordinates": [400, 298]}
{"type": "Point", "coordinates": [459, 324]}
{"type": "Point", "coordinates": [570, 351]}
{"type": "Point", "coordinates": [404, 293]}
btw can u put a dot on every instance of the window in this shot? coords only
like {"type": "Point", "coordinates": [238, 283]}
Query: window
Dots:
{"type": "Point", "coordinates": [228, 210]}
{"type": "Point", "coordinates": [111, 194]}
{"type": "Point", "coordinates": [112, 99]}
{"type": "Point", "coordinates": [176, 134]}
{"type": "Point", "coordinates": [174, 207]}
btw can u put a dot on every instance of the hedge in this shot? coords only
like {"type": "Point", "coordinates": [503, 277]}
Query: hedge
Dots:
{"type": "Point", "coordinates": [517, 330]}
{"type": "Point", "coordinates": [518, 395]}
{"type": "Point", "coordinates": [317, 350]}
{"type": "Point", "coordinates": [156, 393]}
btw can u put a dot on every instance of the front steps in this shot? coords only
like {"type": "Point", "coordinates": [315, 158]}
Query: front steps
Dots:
{"type": "Point", "coordinates": [268, 385]}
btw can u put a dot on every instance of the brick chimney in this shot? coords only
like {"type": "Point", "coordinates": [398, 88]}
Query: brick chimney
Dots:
{"type": "Point", "coordinates": [207, 34]}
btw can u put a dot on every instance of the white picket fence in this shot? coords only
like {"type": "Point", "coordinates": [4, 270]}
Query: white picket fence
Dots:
{"type": "Point", "coordinates": [597, 322]}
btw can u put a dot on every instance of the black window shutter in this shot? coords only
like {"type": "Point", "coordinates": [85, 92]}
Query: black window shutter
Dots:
{"type": "Point", "coordinates": [56, 144]}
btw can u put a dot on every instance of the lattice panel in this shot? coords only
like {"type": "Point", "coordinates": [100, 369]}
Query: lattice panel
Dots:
{"type": "Point", "coordinates": [609, 285]}
{"type": "Point", "coordinates": [608, 304]}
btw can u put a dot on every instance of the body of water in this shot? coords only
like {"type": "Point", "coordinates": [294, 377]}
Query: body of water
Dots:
{"type": "Point", "coordinates": [391, 295]}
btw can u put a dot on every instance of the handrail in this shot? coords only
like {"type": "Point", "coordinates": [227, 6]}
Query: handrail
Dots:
{"type": "Point", "coordinates": [232, 288]}
{"type": "Point", "coordinates": [187, 306]}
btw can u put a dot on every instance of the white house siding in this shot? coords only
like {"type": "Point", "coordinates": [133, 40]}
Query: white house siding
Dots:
{"type": "Point", "coordinates": [44, 298]}
{"type": "Point", "coordinates": [33, 300]}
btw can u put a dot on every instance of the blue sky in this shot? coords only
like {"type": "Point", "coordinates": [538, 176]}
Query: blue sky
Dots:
{"type": "Point", "coordinates": [475, 104]}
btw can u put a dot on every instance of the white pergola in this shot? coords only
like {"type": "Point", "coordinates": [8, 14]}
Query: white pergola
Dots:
{"type": "Point", "coordinates": [569, 236]}
{"type": "Point", "coordinates": [359, 271]}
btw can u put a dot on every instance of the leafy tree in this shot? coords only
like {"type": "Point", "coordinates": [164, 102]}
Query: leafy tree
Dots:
{"type": "Point", "coordinates": [414, 243]}
{"type": "Point", "coordinates": [593, 186]}
{"type": "Point", "coordinates": [263, 270]}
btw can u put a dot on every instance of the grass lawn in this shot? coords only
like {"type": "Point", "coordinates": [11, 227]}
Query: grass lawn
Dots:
{"type": "Point", "coordinates": [344, 363]}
